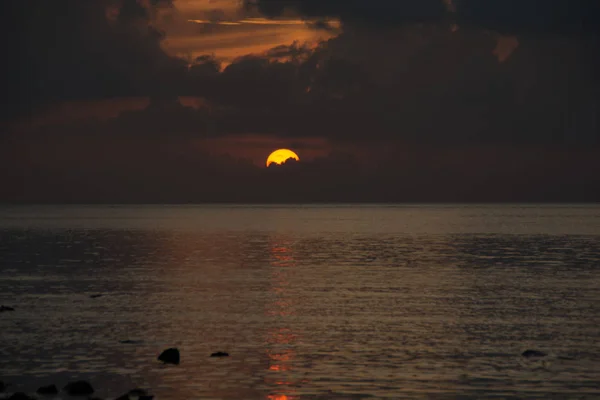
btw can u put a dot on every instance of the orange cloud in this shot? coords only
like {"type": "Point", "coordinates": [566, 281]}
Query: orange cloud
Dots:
{"type": "Point", "coordinates": [228, 46]}
{"type": "Point", "coordinates": [226, 30]}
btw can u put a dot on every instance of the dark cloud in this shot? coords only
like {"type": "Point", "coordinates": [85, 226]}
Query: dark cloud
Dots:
{"type": "Point", "coordinates": [68, 49]}
{"type": "Point", "coordinates": [380, 11]}
{"type": "Point", "coordinates": [532, 16]}
{"type": "Point", "coordinates": [507, 16]}
{"type": "Point", "coordinates": [448, 89]}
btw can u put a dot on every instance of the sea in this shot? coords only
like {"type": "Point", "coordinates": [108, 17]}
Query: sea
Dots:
{"type": "Point", "coordinates": [310, 301]}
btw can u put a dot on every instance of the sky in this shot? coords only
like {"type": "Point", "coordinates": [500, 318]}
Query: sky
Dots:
{"type": "Point", "coordinates": [181, 101]}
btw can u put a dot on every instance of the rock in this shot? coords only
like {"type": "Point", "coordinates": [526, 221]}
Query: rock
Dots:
{"type": "Point", "coordinates": [6, 308]}
{"type": "Point", "coordinates": [533, 353]}
{"type": "Point", "coordinates": [2, 386]}
{"type": "Point", "coordinates": [78, 388]}
{"type": "Point", "coordinates": [95, 296]}
{"type": "Point", "coordinates": [131, 341]}
{"type": "Point", "coordinates": [21, 396]}
{"type": "Point", "coordinates": [50, 389]}
{"type": "Point", "coordinates": [220, 354]}
{"type": "Point", "coordinates": [169, 356]}
{"type": "Point", "coordinates": [123, 397]}
{"type": "Point", "coordinates": [145, 397]}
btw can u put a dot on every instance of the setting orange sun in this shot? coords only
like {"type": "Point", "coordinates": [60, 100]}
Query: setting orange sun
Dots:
{"type": "Point", "coordinates": [280, 156]}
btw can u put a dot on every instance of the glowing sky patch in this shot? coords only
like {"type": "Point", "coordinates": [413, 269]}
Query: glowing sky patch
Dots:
{"type": "Point", "coordinates": [227, 30]}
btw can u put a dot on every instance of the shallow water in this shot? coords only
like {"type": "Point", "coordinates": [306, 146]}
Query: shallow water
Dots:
{"type": "Point", "coordinates": [336, 302]}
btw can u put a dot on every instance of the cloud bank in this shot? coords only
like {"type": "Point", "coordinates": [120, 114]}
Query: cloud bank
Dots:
{"type": "Point", "coordinates": [430, 100]}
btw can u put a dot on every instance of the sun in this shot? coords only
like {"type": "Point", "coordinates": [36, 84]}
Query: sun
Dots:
{"type": "Point", "coordinates": [280, 156]}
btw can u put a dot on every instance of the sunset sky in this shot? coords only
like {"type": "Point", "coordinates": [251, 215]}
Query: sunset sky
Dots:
{"type": "Point", "coordinates": [383, 100]}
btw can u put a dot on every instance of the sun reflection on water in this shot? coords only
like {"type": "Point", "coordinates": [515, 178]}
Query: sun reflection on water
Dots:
{"type": "Point", "coordinates": [281, 340]}
{"type": "Point", "coordinates": [278, 397]}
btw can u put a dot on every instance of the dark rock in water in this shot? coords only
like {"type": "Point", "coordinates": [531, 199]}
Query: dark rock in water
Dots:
{"type": "Point", "coordinates": [220, 354]}
{"type": "Point", "coordinates": [145, 397]}
{"type": "Point", "coordinates": [6, 308]}
{"type": "Point", "coordinates": [2, 386]}
{"type": "Point", "coordinates": [123, 397]}
{"type": "Point", "coordinates": [21, 396]}
{"type": "Point", "coordinates": [50, 389]}
{"type": "Point", "coordinates": [95, 296]}
{"type": "Point", "coordinates": [533, 353]}
{"type": "Point", "coordinates": [131, 341]}
{"type": "Point", "coordinates": [94, 398]}
{"type": "Point", "coordinates": [79, 388]}
{"type": "Point", "coordinates": [169, 356]}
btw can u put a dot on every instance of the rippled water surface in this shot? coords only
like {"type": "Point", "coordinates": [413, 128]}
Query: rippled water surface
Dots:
{"type": "Point", "coordinates": [336, 302]}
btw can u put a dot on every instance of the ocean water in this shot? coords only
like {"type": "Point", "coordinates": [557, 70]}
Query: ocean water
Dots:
{"type": "Point", "coordinates": [311, 302]}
